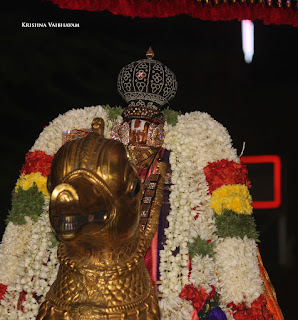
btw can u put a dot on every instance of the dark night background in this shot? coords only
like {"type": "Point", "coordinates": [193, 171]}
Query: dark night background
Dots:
{"type": "Point", "coordinates": [47, 71]}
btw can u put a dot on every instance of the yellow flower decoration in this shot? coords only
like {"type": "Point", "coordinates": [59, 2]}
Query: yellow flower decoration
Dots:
{"type": "Point", "coordinates": [26, 181]}
{"type": "Point", "coordinates": [234, 197]}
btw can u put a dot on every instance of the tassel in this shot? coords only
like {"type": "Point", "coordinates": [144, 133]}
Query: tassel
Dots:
{"type": "Point", "coordinates": [258, 10]}
{"type": "Point", "coordinates": [278, 16]}
{"type": "Point", "coordinates": [216, 12]}
{"type": "Point", "coordinates": [295, 22]}
{"type": "Point", "coordinates": [245, 13]}
{"type": "Point", "coordinates": [194, 8]}
{"type": "Point", "coordinates": [198, 11]}
{"type": "Point", "coordinates": [268, 12]}
{"type": "Point", "coordinates": [225, 11]}
{"type": "Point", "coordinates": [206, 13]}
{"type": "Point", "coordinates": [274, 15]}
{"type": "Point", "coordinates": [236, 10]}
{"type": "Point", "coordinates": [289, 14]}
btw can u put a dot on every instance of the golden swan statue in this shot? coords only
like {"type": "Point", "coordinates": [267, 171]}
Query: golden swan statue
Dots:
{"type": "Point", "coordinates": [95, 213]}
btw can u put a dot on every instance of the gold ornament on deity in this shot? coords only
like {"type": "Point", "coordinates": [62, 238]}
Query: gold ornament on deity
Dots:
{"type": "Point", "coordinates": [95, 212]}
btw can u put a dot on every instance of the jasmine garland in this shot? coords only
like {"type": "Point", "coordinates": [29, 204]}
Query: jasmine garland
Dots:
{"type": "Point", "coordinates": [195, 141]}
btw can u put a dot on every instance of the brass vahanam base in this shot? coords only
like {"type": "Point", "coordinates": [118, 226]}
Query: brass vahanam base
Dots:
{"type": "Point", "coordinates": [83, 294]}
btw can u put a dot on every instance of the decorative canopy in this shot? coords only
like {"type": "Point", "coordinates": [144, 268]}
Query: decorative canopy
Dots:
{"type": "Point", "coordinates": [280, 12]}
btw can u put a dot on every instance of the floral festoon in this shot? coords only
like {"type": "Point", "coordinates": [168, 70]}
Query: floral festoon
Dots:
{"type": "Point", "coordinates": [210, 267]}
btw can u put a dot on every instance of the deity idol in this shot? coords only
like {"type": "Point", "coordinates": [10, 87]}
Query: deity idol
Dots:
{"type": "Point", "coordinates": [203, 260]}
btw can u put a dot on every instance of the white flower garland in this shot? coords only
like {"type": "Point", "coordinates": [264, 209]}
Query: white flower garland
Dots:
{"type": "Point", "coordinates": [12, 249]}
{"type": "Point", "coordinates": [200, 139]}
{"type": "Point", "coordinates": [50, 139]}
{"type": "Point", "coordinates": [196, 140]}
{"type": "Point", "coordinates": [175, 308]}
{"type": "Point", "coordinates": [203, 272]}
{"type": "Point", "coordinates": [237, 269]}
{"type": "Point", "coordinates": [35, 274]}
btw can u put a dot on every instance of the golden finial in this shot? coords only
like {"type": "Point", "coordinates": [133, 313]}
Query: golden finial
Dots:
{"type": "Point", "coordinates": [98, 126]}
{"type": "Point", "coordinates": [150, 54]}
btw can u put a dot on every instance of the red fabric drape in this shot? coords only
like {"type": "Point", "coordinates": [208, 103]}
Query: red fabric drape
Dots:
{"type": "Point", "coordinates": [280, 14]}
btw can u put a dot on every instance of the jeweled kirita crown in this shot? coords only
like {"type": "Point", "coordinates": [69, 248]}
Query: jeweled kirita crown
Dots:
{"type": "Point", "coordinates": [147, 83]}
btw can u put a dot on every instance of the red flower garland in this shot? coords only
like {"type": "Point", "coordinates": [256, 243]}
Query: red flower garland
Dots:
{"type": "Point", "coordinates": [225, 172]}
{"type": "Point", "coordinates": [197, 297]}
{"type": "Point", "coordinates": [37, 161]}
{"type": "Point", "coordinates": [2, 290]}
{"type": "Point", "coordinates": [258, 310]}
{"type": "Point", "coordinates": [22, 298]}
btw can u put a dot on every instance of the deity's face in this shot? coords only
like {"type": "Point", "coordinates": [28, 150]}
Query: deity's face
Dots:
{"type": "Point", "coordinates": [138, 132]}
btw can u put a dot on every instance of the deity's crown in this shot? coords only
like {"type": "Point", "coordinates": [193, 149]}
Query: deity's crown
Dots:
{"type": "Point", "coordinates": [146, 85]}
